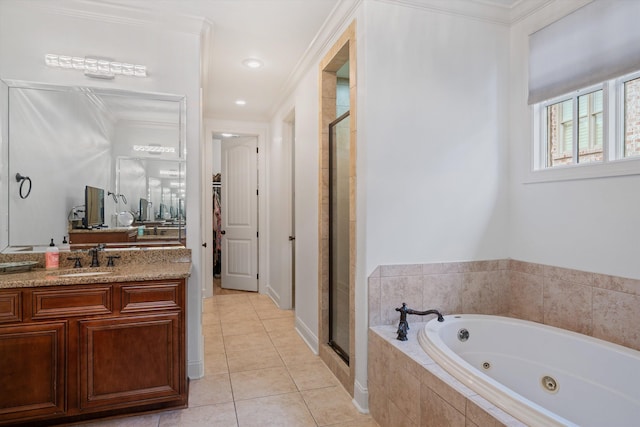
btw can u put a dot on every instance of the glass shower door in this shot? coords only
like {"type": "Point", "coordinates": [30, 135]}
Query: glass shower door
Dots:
{"type": "Point", "coordinates": [339, 268]}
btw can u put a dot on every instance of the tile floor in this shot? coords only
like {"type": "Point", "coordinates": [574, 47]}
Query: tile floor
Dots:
{"type": "Point", "coordinates": [258, 372]}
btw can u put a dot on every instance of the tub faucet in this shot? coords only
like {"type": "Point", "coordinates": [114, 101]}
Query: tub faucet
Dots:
{"type": "Point", "coordinates": [94, 255]}
{"type": "Point", "coordinates": [403, 327]}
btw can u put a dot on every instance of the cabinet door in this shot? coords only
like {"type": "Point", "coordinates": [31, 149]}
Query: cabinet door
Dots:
{"type": "Point", "coordinates": [32, 370]}
{"type": "Point", "coordinates": [128, 361]}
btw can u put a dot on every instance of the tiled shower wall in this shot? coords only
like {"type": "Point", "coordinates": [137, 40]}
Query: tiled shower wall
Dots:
{"type": "Point", "coordinates": [606, 307]}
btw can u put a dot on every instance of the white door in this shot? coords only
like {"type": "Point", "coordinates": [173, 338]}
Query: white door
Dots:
{"type": "Point", "coordinates": [239, 214]}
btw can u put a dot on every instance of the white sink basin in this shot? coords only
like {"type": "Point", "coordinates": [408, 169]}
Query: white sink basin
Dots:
{"type": "Point", "coordinates": [85, 274]}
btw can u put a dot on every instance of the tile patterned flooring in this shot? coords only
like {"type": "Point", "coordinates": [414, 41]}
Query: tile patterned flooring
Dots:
{"type": "Point", "coordinates": [258, 372]}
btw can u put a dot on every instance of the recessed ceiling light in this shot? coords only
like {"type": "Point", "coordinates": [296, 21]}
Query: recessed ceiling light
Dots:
{"type": "Point", "coordinates": [241, 102]}
{"type": "Point", "coordinates": [252, 63]}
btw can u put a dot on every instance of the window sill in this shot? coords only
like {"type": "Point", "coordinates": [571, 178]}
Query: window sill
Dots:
{"type": "Point", "coordinates": [584, 171]}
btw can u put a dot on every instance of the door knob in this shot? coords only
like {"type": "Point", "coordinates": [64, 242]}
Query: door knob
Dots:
{"type": "Point", "coordinates": [223, 232]}
{"type": "Point", "coordinates": [291, 238]}
{"type": "Point", "coordinates": [204, 245]}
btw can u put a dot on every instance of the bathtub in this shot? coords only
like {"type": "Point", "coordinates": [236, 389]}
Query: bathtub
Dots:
{"type": "Point", "coordinates": [541, 375]}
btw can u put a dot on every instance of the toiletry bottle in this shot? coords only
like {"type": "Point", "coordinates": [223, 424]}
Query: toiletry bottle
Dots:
{"type": "Point", "coordinates": [52, 256]}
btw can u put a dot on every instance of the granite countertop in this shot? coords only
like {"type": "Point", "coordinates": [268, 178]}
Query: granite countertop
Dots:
{"type": "Point", "coordinates": [87, 275]}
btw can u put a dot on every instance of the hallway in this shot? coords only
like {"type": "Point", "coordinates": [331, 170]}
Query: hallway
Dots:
{"type": "Point", "coordinates": [258, 372]}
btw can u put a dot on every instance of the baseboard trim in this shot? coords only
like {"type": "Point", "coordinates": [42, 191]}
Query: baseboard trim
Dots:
{"type": "Point", "coordinates": [307, 335]}
{"type": "Point", "coordinates": [273, 295]}
{"type": "Point", "coordinates": [195, 369]}
{"type": "Point", "coordinates": [360, 397]}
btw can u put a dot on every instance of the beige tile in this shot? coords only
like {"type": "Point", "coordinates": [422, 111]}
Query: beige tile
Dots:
{"type": "Point", "coordinates": [397, 418]}
{"type": "Point", "coordinates": [526, 296]}
{"type": "Point", "coordinates": [442, 292]}
{"type": "Point", "coordinates": [281, 410]}
{"type": "Point", "coordinates": [374, 301]}
{"type": "Point", "coordinates": [273, 313]}
{"type": "Point", "coordinates": [404, 390]}
{"type": "Point", "coordinates": [282, 338]}
{"type": "Point", "coordinates": [436, 412]}
{"type": "Point", "coordinates": [396, 290]}
{"type": "Point", "coordinates": [312, 375]}
{"type": "Point", "coordinates": [150, 420]}
{"type": "Point", "coordinates": [210, 318]}
{"type": "Point", "coordinates": [296, 354]}
{"type": "Point", "coordinates": [364, 421]}
{"type": "Point", "coordinates": [242, 327]}
{"type": "Point", "coordinates": [478, 413]}
{"type": "Point", "coordinates": [479, 266]}
{"type": "Point", "coordinates": [568, 306]}
{"type": "Point", "coordinates": [232, 314]}
{"type": "Point", "coordinates": [279, 323]}
{"type": "Point", "coordinates": [239, 361]}
{"type": "Point", "coordinates": [248, 342]}
{"type": "Point", "coordinates": [221, 415]}
{"type": "Point", "coordinates": [236, 300]}
{"type": "Point", "coordinates": [401, 270]}
{"type": "Point", "coordinates": [444, 389]}
{"type": "Point", "coordinates": [260, 383]}
{"type": "Point", "coordinates": [215, 363]}
{"type": "Point", "coordinates": [615, 315]}
{"type": "Point", "coordinates": [526, 267]}
{"type": "Point", "coordinates": [210, 390]}
{"type": "Point", "coordinates": [379, 405]}
{"type": "Point", "coordinates": [330, 405]}
{"type": "Point", "coordinates": [568, 275]}
{"type": "Point", "coordinates": [485, 292]}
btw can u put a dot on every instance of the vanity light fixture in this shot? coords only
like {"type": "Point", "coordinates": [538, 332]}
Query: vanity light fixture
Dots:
{"type": "Point", "coordinates": [252, 63]}
{"type": "Point", "coordinates": [154, 149]}
{"type": "Point", "coordinates": [95, 67]}
{"type": "Point", "coordinates": [227, 135]}
{"type": "Point", "coordinates": [171, 173]}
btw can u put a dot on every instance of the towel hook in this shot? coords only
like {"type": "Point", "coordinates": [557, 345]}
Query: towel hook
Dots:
{"type": "Point", "coordinates": [22, 179]}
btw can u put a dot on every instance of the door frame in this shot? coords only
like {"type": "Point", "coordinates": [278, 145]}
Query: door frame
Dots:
{"type": "Point", "coordinates": [261, 131]}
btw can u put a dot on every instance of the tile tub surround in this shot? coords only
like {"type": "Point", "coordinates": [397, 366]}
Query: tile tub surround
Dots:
{"type": "Point", "coordinates": [598, 305]}
{"type": "Point", "coordinates": [407, 388]}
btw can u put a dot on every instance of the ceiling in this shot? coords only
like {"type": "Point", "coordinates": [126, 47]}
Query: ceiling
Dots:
{"type": "Point", "coordinates": [277, 32]}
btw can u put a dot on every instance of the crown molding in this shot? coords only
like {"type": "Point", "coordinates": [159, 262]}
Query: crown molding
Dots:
{"type": "Point", "coordinates": [481, 10]}
{"type": "Point", "coordinates": [117, 12]}
{"type": "Point", "coordinates": [337, 21]}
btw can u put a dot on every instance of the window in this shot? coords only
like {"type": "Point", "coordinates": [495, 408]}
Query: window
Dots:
{"type": "Point", "coordinates": [587, 127]}
{"type": "Point", "coordinates": [565, 144]}
{"type": "Point", "coordinates": [631, 117]}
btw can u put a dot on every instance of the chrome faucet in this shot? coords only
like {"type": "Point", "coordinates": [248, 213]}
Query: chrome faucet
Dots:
{"type": "Point", "coordinates": [403, 327]}
{"type": "Point", "coordinates": [94, 255]}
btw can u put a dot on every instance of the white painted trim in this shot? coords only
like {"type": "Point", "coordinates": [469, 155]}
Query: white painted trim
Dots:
{"type": "Point", "coordinates": [271, 292]}
{"type": "Point", "coordinates": [124, 14]}
{"type": "Point", "coordinates": [339, 18]}
{"type": "Point", "coordinates": [360, 397]}
{"type": "Point", "coordinates": [307, 335]}
{"type": "Point", "coordinates": [195, 368]}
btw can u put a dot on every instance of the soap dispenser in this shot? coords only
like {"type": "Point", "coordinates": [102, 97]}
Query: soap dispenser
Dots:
{"type": "Point", "coordinates": [52, 256]}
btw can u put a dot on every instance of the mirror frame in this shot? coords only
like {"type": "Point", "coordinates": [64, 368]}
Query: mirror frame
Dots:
{"type": "Point", "coordinates": [5, 180]}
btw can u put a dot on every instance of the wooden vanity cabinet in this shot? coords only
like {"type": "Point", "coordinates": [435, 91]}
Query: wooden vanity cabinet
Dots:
{"type": "Point", "coordinates": [81, 237]}
{"type": "Point", "coordinates": [87, 351]}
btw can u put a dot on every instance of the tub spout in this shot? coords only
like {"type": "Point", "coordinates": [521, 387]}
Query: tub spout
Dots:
{"type": "Point", "coordinates": [403, 327]}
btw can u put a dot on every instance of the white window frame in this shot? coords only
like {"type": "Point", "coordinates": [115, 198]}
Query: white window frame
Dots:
{"type": "Point", "coordinates": [613, 164]}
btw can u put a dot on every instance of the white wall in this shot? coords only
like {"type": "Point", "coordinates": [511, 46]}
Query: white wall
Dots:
{"type": "Point", "coordinates": [305, 101]}
{"type": "Point", "coordinates": [29, 30]}
{"type": "Point", "coordinates": [588, 224]}
{"type": "Point", "coordinates": [436, 149]}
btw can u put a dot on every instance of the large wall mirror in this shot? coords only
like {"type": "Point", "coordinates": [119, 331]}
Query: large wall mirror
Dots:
{"type": "Point", "coordinates": [128, 146]}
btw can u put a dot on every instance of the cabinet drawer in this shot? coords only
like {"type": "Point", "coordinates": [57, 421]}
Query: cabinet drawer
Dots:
{"type": "Point", "coordinates": [161, 296]}
{"type": "Point", "coordinates": [11, 306]}
{"type": "Point", "coordinates": [71, 302]}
